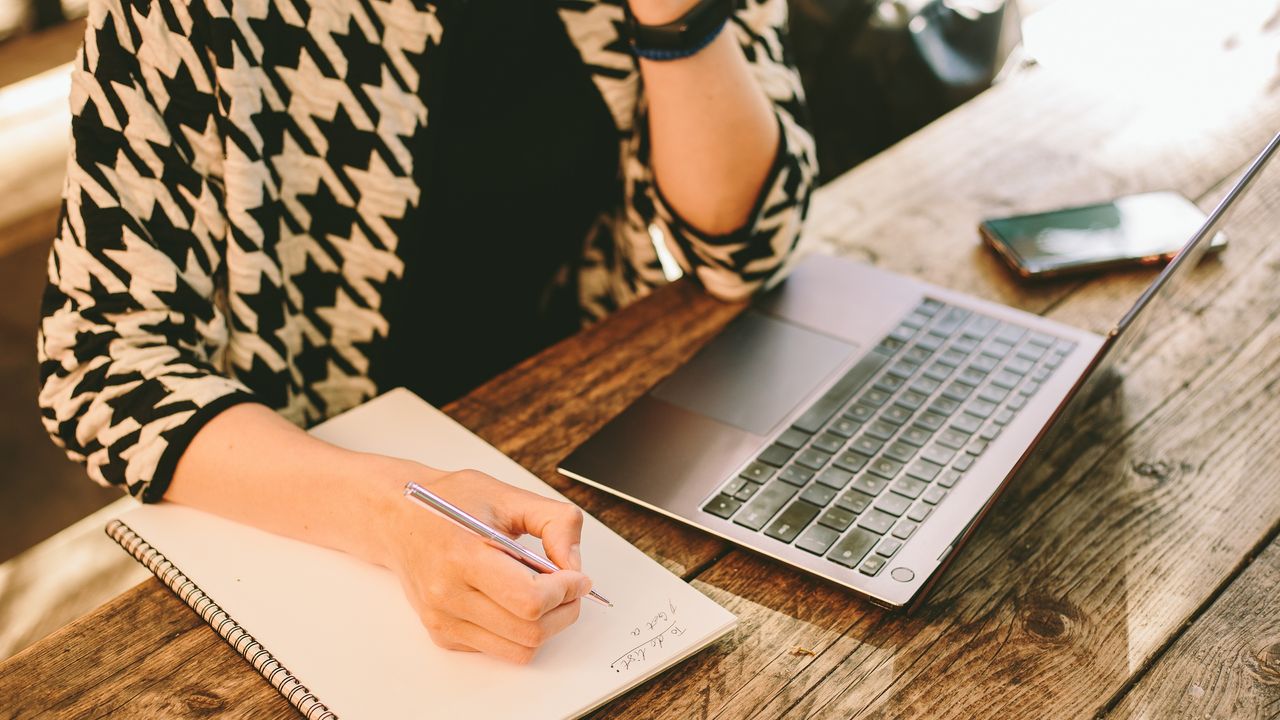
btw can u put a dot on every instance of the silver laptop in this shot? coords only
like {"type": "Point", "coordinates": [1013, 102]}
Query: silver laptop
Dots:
{"type": "Point", "coordinates": [857, 424]}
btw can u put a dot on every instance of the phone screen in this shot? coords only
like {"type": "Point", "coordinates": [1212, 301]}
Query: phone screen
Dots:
{"type": "Point", "coordinates": [1134, 229]}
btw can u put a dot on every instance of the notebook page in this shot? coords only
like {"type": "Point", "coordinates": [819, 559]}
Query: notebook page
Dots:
{"type": "Point", "coordinates": [345, 630]}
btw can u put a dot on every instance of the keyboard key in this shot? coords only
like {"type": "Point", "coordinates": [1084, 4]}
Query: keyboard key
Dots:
{"type": "Point", "coordinates": [931, 421]}
{"type": "Point", "coordinates": [818, 494]}
{"type": "Point", "coordinates": [909, 487]}
{"type": "Point", "coordinates": [992, 393]}
{"type": "Point", "coordinates": [884, 468]}
{"type": "Point", "coordinates": [795, 475]}
{"type": "Point", "coordinates": [1064, 346]}
{"type": "Point", "coordinates": [944, 406]}
{"type": "Point", "coordinates": [900, 451]}
{"type": "Point", "coordinates": [828, 443]}
{"type": "Point", "coordinates": [860, 413]}
{"type": "Point", "coordinates": [837, 518]}
{"type": "Point", "coordinates": [1041, 374]}
{"type": "Point", "coordinates": [929, 307]}
{"type": "Point", "coordinates": [902, 333]}
{"type": "Point", "coordinates": [952, 439]}
{"type": "Point", "coordinates": [888, 384]}
{"type": "Point", "coordinates": [957, 391]}
{"type": "Point", "coordinates": [1005, 379]}
{"type": "Point", "coordinates": [917, 354]}
{"type": "Point", "coordinates": [980, 326]}
{"type": "Point", "coordinates": [938, 372]}
{"type": "Point", "coordinates": [966, 423]}
{"type": "Point", "coordinates": [893, 504]}
{"type": "Point", "coordinates": [872, 565]}
{"type": "Point", "coordinates": [813, 459]}
{"type": "Point", "coordinates": [924, 470]}
{"type": "Point", "coordinates": [950, 321]}
{"type": "Point", "coordinates": [776, 455]}
{"type": "Point", "coordinates": [934, 495]}
{"type": "Point", "coordinates": [903, 369]}
{"type": "Point", "coordinates": [910, 400]}
{"type": "Point", "coordinates": [980, 408]}
{"type": "Point", "coordinates": [904, 529]}
{"type": "Point", "coordinates": [1054, 360]}
{"type": "Point", "coordinates": [948, 478]}
{"type": "Point", "coordinates": [1017, 402]}
{"type": "Point", "coordinates": [876, 521]}
{"type": "Point", "coordinates": [1019, 365]}
{"type": "Point", "coordinates": [895, 414]}
{"type": "Point", "coordinates": [844, 427]}
{"type": "Point", "coordinates": [925, 386]}
{"type": "Point", "coordinates": [1031, 352]}
{"type": "Point", "coordinates": [915, 435]}
{"type": "Point", "coordinates": [998, 350]}
{"type": "Point", "coordinates": [866, 445]}
{"type": "Point", "coordinates": [764, 505]}
{"type": "Point", "coordinates": [929, 342]}
{"type": "Point", "coordinates": [840, 393]}
{"type": "Point", "coordinates": [920, 511]}
{"type": "Point", "coordinates": [850, 549]}
{"type": "Point", "coordinates": [874, 397]}
{"type": "Point", "coordinates": [757, 472]}
{"type": "Point", "coordinates": [965, 344]}
{"type": "Point", "coordinates": [971, 376]}
{"type": "Point", "coordinates": [963, 462]}
{"type": "Point", "coordinates": [722, 506]}
{"type": "Point", "coordinates": [977, 447]}
{"type": "Point", "coordinates": [852, 461]}
{"type": "Point", "coordinates": [952, 358]}
{"type": "Point", "coordinates": [938, 453]}
{"type": "Point", "coordinates": [817, 539]}
{"type": "Point", "coordinates": [792, 520]}
{"type": "Point", "coordinates": [1029, 388]}
{"type": "Point", "coordinates": [835, 478]}
{"type": "Point", "coordinates": [854, 501]}
{"type": "Point", "coordinates": [889, 346]}
{"type": "Point", "coordinates": [990, 432]}
{"type": "Point", "coordinates": [888, 547]}
{"type": "Point", "coordinates": [746, 491]}
{"type": "Point", "coordinates": [881, 430]}
{"type": "Point", "coordinates": [1010, 333]}
{"type": "Point", "coordinates": [1040, 339]}
{"type": "Point", "coordinates": [983, 364]}
{"type": "Point", "coordinates": [916, 320]}
{"type": "Point", "coordinates": [793, 438]}
{"type": "Point", "coordinates": [869, 484]}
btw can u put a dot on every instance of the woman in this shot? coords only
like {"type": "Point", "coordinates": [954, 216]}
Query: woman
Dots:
{"type": "Point", "coordinates": [276, 210]}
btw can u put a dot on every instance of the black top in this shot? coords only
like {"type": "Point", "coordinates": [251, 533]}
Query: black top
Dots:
{"type": "Point", "coordinates": [519, 158]}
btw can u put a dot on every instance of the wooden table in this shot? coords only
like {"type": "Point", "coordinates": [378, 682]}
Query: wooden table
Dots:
{"type": "Point", "coordinates": [1132, 574]}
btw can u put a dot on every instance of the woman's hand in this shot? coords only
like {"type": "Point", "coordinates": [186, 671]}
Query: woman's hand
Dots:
{"type": "Point", "coordinates": [471, 595]}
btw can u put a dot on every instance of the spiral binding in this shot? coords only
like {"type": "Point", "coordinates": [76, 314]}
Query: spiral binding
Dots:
{"type": "Point", "coordinates": [236, 636]}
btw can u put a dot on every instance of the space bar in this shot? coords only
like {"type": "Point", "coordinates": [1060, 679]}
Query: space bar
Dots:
{"type": "Point", "coordinates": [832, 400]}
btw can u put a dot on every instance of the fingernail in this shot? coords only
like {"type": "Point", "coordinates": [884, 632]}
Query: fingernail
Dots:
{"type": "Point", "coordinates": [575, 556]}
{"type": "Point", "coordinates": [584, 587]}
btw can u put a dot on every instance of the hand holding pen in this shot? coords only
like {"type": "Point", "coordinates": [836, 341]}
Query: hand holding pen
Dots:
{"type": "Point", "coordinates": [470, 597]}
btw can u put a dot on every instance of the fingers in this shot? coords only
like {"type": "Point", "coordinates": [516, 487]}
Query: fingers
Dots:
{"type": "Point", "coordinates": [480, 610]}
{"type": "Point", "coordinates": [559, 524]}
{"type": "Point", "coordinates": [456, 633]}
{"type": "Point", "coordinates": [514, 587]}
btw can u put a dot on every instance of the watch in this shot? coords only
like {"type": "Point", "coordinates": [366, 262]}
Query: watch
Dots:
{"type": "Point", "coordinates": [682, 37]}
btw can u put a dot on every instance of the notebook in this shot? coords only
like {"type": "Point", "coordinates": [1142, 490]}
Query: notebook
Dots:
{"type": "Point", "coordinates": [337, 638]}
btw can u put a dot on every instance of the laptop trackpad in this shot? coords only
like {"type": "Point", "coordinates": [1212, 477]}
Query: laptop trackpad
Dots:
{"type": "Point", "coordinates": [754, 372]}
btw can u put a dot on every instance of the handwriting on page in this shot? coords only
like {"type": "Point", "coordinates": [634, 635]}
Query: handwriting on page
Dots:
{"type": "Point", "coordinates": [651, 635]}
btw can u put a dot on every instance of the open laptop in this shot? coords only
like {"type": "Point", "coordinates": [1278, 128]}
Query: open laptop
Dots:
{"type": "Point", "coordinates": [857, 424]}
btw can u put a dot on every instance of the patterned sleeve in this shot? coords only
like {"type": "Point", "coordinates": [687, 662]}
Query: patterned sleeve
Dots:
{"type": "Point", "coordinates": [734, 265]}
{"type": "Point", "coordinates": [130, 335]}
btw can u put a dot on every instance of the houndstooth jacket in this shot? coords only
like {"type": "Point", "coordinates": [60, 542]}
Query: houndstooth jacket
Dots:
{"type": "Point", "coordinates": [200, 199]}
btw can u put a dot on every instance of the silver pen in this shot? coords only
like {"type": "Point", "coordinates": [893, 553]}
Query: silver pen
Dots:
{"type": "Point", "coordinates": [432, 501]}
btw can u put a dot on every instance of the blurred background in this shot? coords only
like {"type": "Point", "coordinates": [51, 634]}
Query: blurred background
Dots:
{"type": "Point", "coordinates": [875, 71]}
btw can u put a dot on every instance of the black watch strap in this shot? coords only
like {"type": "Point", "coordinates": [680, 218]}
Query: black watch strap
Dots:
{"type": "Point", "coordinates": [684, 35]}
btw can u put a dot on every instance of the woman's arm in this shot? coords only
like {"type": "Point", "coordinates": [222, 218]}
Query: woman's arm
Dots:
{"type": "Point", "coordinates": [713, 130]}
{"type": "Point", "coordinates": [252, 466]}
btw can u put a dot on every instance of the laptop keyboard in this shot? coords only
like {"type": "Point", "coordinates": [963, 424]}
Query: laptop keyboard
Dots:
{"type": "Point", "coordinates": [854, 476]}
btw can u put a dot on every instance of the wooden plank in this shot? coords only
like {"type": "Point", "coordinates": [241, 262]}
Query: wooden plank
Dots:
{"type": "Point", "coordinates": [1228, 663]}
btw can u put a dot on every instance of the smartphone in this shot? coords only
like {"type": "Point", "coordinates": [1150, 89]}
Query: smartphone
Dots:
{"type": "Point", "coordinates": [1144, 229]}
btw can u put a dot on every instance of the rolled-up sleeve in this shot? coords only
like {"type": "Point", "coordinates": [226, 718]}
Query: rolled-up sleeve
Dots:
{"type": "Point", "coordinates": [131, 335]}
{"type": "Point", "coordinates": [736, 264]}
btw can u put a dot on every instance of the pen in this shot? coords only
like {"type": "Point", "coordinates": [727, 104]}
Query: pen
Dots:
{"type": "Point", "coordinates": [432, 501]}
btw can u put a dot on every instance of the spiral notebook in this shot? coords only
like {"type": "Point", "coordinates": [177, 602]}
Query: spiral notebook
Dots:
{"type": "Point", "coordinates": [337, 638]}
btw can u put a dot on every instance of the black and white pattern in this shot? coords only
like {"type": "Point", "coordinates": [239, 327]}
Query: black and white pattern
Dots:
{"type": "Point", "coordinates": [240, 172]}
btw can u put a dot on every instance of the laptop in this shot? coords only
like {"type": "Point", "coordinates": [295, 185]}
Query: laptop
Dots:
{"type": "Point", "coordinates": [857, 424]}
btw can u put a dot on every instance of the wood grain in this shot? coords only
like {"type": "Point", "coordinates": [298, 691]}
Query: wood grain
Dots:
{"type": "Point", "coordinates": [1228, 662]}
{"type": "Point", "coordinates": [1081, 580]}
